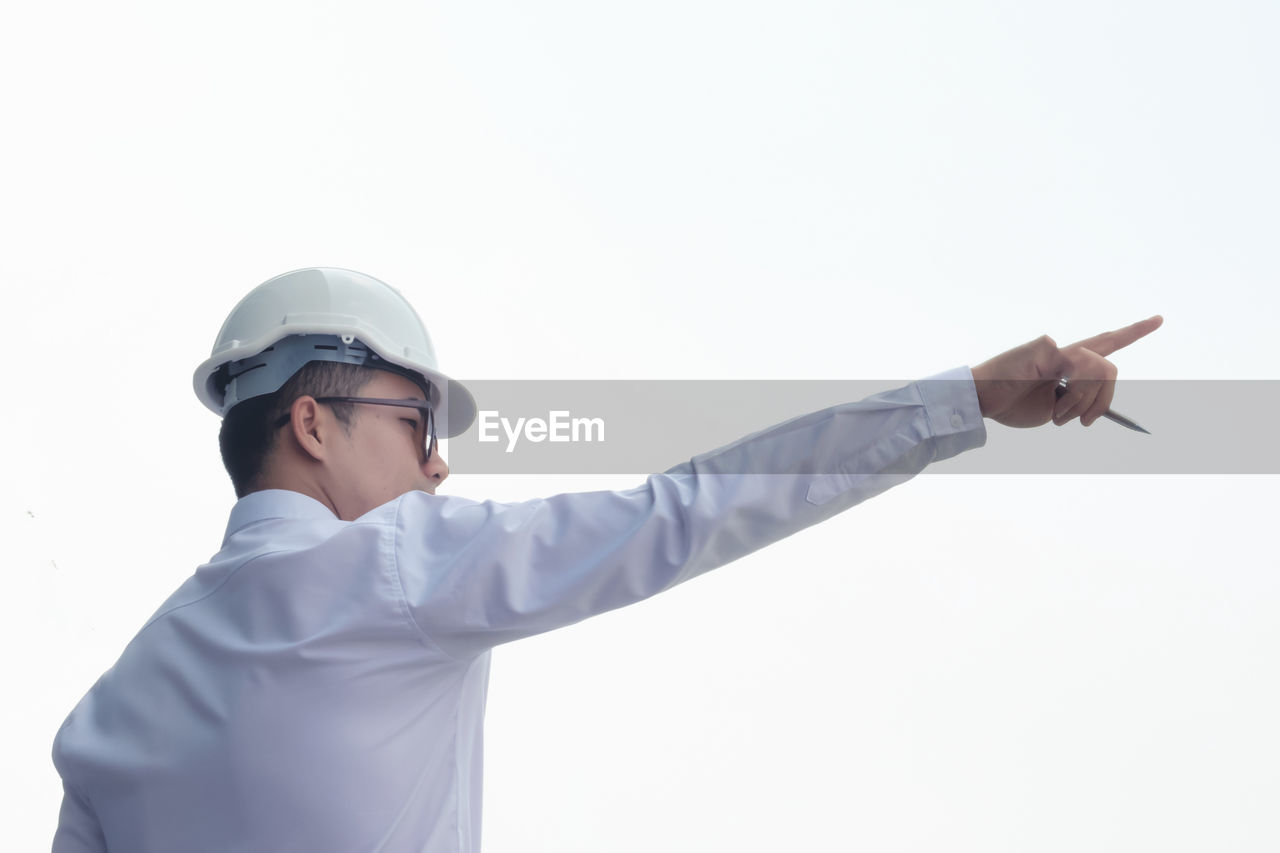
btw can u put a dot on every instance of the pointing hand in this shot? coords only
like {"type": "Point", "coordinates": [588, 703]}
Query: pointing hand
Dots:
{"type": "Point", "coordinates": [1018, 388]}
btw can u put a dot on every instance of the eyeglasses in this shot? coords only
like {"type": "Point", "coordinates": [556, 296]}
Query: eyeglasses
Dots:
{"type": "Point", "coordinates": [424, 426]}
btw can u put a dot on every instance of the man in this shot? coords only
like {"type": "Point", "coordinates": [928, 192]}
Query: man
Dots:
{"type": "Point", "coordinates": [319, 684]}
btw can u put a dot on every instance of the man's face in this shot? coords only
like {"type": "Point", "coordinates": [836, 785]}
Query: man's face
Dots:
{"type": "Point", "coordinates": [381, 459]}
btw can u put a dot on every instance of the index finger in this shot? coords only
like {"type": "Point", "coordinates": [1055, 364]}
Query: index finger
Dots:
{"type": "Point", "coordinates": [1108, 342]}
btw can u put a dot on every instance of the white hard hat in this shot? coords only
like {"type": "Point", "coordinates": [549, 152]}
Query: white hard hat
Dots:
{"type": "Point", "coordinates": [325, 314]}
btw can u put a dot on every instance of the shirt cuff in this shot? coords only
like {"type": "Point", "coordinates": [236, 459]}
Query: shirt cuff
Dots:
{"type": "Point", "coordinates": [951, 404]}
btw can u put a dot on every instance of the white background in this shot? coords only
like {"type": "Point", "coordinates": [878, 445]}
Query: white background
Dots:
{"type": "Point", "coordinates": [712, 190]}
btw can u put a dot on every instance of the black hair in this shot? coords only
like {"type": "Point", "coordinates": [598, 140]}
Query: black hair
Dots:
{"type": "Point", "coordinates": [248, 432]}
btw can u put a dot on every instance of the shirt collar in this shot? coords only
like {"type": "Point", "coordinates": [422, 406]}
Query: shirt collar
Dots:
{"type": "Point", "coordinates": [274, 503]}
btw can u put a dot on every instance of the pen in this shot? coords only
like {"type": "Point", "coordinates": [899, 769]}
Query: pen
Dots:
{"type": "Point", "coordinates": [1108, 414]}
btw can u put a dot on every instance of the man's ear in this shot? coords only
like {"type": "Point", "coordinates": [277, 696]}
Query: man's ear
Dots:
{"type": "Point", "coordinates": [310, 427]}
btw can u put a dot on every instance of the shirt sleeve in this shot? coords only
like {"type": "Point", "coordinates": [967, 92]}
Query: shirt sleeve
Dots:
{"type": "Point", "coordinates": [78, 828]}
{"type": "Point", "coordinates": [478, 574]}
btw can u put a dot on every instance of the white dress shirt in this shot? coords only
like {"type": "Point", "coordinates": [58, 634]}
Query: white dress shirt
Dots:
{"type": "Point", "coordinates": [319, 685]}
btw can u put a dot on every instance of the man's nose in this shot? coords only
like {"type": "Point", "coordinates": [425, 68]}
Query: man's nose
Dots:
{"type": "Point", "coordinates": [436, 468]}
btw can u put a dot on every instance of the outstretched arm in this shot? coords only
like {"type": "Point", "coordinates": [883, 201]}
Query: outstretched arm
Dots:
{"type": "Point", "coordinates": [475, 575]}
